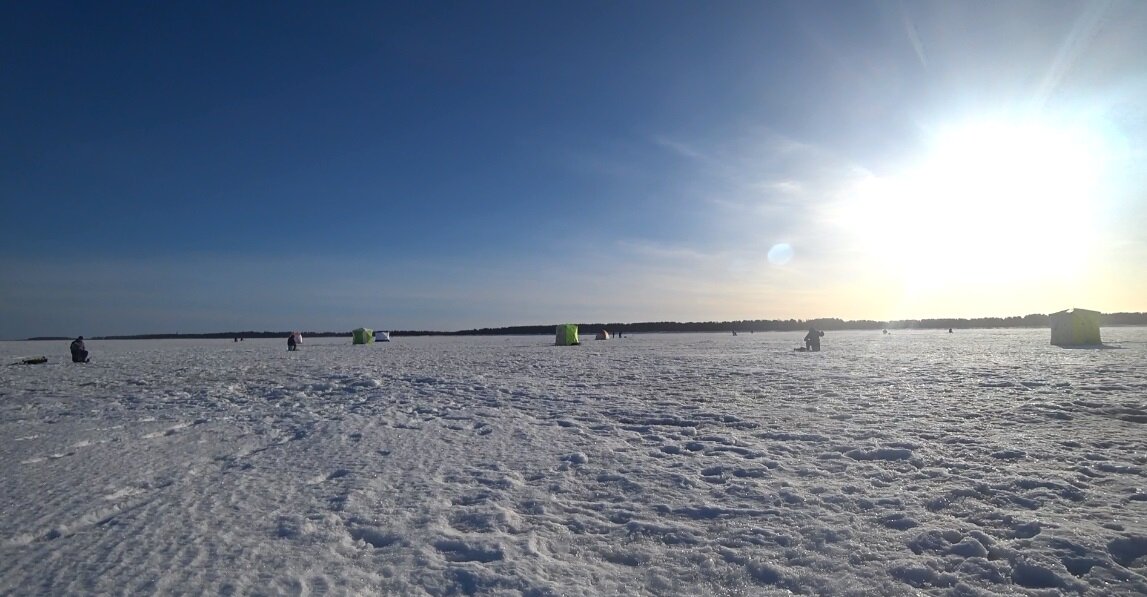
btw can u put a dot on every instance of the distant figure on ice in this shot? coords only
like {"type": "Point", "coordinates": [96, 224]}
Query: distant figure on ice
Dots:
{"type": "Point", "coordinates": [292, 343]}
{"type": "Point", "coordinates": [79, 351]}
{"type": "Point", "coordinates": [812, 340]}
{"type": "Point", "coordinates": [949, 330]}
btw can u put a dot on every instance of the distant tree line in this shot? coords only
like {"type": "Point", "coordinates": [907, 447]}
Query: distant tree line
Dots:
{"type": "Point", "coordinates": [791, 325]}
{"type": "Point", "coordinates": [794, 325]}
{"type": "Point", "coordinates": [754, 325]}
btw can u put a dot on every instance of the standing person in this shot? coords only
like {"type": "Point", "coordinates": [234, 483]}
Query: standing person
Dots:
{"type": "Point", "coordinates": [79, 351]}
{"type": "Point", "coordinates": [812, 340]}
{"type": "Point", "coordinates": [291, 342]}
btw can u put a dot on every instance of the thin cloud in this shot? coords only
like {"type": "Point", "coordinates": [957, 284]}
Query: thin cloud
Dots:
{"type": "Point", "coordinates": [681, 149]}
{"type": "Point", "coordinates": [785, 187]}
{"type": "Point", "coordinates": [913, 34]}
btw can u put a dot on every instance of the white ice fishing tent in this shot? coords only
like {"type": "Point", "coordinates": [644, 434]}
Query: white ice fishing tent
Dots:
{"type": "Point", "coordinates": [602, 335]}
{"type": "Point", "coordinates": [382, 336]}
{"type": "Point", "coordinates": [1075, 327]}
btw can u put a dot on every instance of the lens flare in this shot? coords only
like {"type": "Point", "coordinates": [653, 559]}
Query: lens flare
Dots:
{"type": "Point", "coordinates": [780, 254]}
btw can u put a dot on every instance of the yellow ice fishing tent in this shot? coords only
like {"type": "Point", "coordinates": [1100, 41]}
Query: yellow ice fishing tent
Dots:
{"type": "Point", "coordinates": [1075, 327]}
{"type": "Point", "coordinates": [566, 335]}
{"type": "Point", "coordinates": [363, 336]}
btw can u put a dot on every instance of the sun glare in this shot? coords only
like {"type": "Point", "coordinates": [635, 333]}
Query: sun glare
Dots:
{"type": "Point", "coordinates": [988, 201]}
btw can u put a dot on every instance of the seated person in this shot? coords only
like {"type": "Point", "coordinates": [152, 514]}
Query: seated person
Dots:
{"type": "Point", "coordinates": [79, 351]}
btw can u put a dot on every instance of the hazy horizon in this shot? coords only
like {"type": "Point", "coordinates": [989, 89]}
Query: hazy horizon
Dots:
{"type": "Point", "coordinates": [305, 330]}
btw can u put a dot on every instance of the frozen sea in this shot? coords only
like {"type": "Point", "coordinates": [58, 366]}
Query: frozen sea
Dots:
{"type": "Point", "coordinates": [984, 462]}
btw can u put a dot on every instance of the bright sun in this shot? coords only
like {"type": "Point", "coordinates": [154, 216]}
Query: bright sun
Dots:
{"type": "Point", "coordinates": [989, 200]}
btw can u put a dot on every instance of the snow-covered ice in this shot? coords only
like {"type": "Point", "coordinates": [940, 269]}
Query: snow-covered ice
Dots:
{"type": "Point", "coordinates": [975, 463]}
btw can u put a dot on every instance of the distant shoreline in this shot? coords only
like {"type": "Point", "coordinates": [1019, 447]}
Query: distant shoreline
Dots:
{"type": "Point", "coordinates": [758, 325]}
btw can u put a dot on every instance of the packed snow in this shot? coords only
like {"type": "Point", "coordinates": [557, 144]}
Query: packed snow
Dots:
{"type": "Point", "coordinates": [921, 462]}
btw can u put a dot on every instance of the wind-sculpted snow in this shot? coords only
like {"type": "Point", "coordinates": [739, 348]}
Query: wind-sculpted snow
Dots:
{"type": "Point", "coordinates": [974, 463]}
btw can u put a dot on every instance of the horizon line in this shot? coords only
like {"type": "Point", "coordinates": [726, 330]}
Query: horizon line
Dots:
{"type": "Point", "coordinates": [536, 329]}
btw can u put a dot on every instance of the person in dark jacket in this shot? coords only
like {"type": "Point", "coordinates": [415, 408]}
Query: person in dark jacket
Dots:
{"type": "Point", "coordinates": [292, 343]}
{"type": "Point", "coordinates": [79, 351]}
{"type": "Point", "coordinates": [812, 340]}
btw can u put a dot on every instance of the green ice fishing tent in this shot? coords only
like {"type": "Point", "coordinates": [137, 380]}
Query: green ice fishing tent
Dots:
{"type": "Point", "coordinates": [1075, 327]}
{"type": "Point", "coordinates": [566, 335]}
{"type": "Point", "coordinates": [363, 336]}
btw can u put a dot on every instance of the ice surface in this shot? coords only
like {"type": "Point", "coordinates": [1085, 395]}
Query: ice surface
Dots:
{"type": "Point", "coordinates": [975, 463]}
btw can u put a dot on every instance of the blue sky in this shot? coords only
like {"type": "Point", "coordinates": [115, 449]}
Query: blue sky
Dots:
{"type": "Point", "coordinates": [200, 167]}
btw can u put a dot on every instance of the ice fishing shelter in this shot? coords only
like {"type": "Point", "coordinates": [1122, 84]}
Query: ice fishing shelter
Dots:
{"type": "Point", "coordinates": [1075, 327]}
{"type": "Point", "coordinates": [363, 336]}
{"type": "Point", "coordinates": [566, 335]}
{"type": "Point", "coordinates": [602, 335]}
{"type": "Point", "coordinates": [382, 336]}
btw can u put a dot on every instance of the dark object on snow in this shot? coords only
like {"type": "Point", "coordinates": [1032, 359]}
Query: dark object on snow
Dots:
{"type": "Point", "coordinates": [79, 351]}
{"type": "Point", "coordinates": [34, 360]}
{"type": "Point", "coordinates": [292, 342]}
{"type": "Point", "coordinates": [812, 340]}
